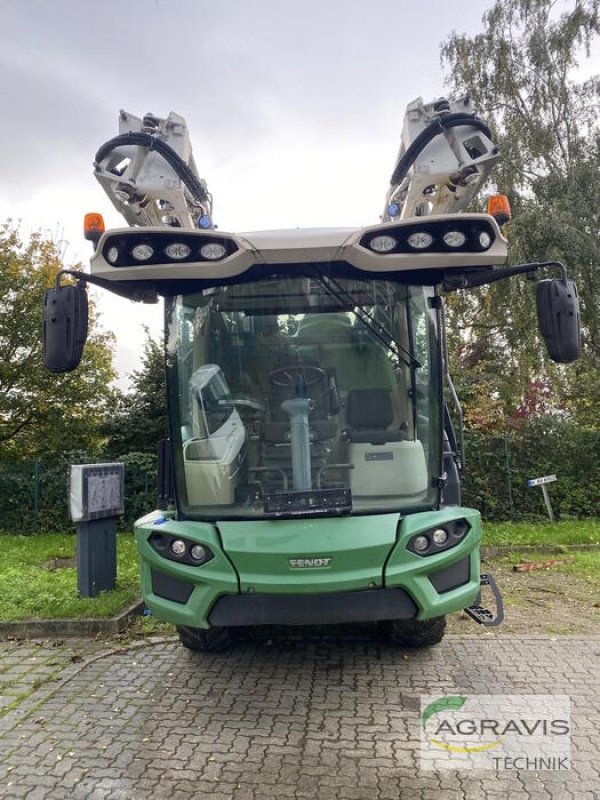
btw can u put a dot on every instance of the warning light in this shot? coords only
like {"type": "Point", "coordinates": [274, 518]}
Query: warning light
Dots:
{"type": "Point", "coordinates": [93, 227]}
{"type": "Point", "coordinates": [499, 208]}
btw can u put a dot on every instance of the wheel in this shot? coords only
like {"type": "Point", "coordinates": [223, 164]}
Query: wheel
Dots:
{"type": "Point", "coordinates": [210, 640]}
{"type": "Point", "coordinates": [286, 377]}
{"type": "Point", "coordinates": [416, 633]}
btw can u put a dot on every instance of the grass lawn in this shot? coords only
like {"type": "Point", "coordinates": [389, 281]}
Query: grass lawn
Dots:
{"type": "Point", "coordinates": [32, 587]}
{"type": "Point", "coordinates": [515, 534]}
{"type": "Point", "coordinates": [563, 596]}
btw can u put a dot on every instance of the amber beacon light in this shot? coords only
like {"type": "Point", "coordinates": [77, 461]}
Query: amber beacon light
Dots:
{"type": "Point", "coordinates": [499, 208]}
{"type": "Point", "coordinates": [93, 227]}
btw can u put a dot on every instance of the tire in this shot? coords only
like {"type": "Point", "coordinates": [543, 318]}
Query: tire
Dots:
{"type": "Point", "coordinates": [210, 640]}
{"type": "Point", "coordinates": [416, 633]}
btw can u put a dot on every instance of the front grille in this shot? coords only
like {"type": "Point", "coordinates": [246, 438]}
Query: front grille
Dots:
{"type": "Point", "coordinates": [313, 609]}
{"type": "Point", "coordinates": [170, 588]}
{"type": "Point", "coordinates": [451, 577]}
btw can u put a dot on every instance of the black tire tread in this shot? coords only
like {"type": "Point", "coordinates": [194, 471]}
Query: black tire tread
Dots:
{"type": "Point", "coordinates": [209, 640]}
{"type": "Point", "coordinates": [417, 633]}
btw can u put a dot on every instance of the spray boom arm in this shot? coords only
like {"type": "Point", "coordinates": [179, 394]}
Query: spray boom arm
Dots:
{"type": "Point", "coordinates": [445, 155]}
{"type": "Point", "coordinates": [148, 172]}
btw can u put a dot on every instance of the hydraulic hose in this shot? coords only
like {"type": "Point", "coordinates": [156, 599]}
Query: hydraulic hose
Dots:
{"type": "Point", "coordinates": [437, 126]}
{"type": "Point", "coordinates": [152, 142]}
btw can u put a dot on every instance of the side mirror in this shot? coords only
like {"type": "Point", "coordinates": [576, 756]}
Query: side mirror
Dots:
{"type": "Point", "coordinates": [558, 318]}
{"type": "Point", "coordinates": [65, 327]}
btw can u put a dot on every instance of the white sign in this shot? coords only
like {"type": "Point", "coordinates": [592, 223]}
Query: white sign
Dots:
{"type": "Point", "coordinates": [495, 732]}
{"type": "Point", "coordinates": [541, 481]}
{"type": "Point", "coordinates": [104, 492]}
{"type": "Point", "coordinates": [96, 491]}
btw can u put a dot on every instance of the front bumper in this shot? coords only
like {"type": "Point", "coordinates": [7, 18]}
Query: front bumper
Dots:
{"type": "Point", "coordinates": [313, 609]}
{"type": "Point", "coordinates": [403, 585]}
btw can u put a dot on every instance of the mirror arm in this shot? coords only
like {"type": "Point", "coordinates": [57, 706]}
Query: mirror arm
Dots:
{"type": "Point", "coordinates": [453, 282]}
{"type": "Point", "coordinates": [560, 265]}
{"type": "Point", "coordinates": [137, 294]}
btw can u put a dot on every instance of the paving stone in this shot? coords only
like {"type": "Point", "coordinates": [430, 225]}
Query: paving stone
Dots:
{"type": "Point", "coordinates": [325, 717]}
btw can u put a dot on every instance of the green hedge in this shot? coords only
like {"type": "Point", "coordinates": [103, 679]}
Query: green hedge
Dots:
{"type": "Point", "coordinates": [498, 468]}
{"type": "Point", "coordinates": [33, 495]}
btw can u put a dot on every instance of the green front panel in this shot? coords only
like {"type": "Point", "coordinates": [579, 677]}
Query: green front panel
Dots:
{"type": "Point", "coordinates": [210, 580]}
{"type": "Point", "coordinates": [263, 553]}
{"type": "Point", "coordinates": [412, 571]}
{"type": "Point", "coordinates": [310, 556]}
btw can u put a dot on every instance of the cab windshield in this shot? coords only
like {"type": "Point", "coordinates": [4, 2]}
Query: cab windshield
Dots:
{"type": "Point", "coordinates": [304, 395]}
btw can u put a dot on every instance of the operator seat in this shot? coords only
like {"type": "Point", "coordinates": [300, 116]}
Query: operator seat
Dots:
{"type": "Point", "coordinates": [369, 414]}
{"type": "Point", "coordinates": [385, 463]}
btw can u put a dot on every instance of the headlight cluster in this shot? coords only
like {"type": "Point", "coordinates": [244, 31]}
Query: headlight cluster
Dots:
{"type": "Point", "coordinates": [469, 236]}
{"type": "Point", "coordinates": [136, 249]}
{"type": "Point", "coordinates": [177, 548]}
{"type": "Point", "coordinates": [440, 538]}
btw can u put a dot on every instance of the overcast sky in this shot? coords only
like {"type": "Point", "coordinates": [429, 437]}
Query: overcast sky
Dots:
{"type": "Point", "coordinates": [294, 108]}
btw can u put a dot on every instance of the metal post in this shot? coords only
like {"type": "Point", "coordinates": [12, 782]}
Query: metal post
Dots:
{"type": "Point", "coordinates": [542, 482]}
{"type": "Point", "coordinates": [36, 487]}
{"type": "Point", "coordinates": [96, 498]}
{"type": "Point", "coordinates": [508, 477]}
{"type": "Point", "coordinates": [96, 556]}
{"type": "Point", "coordinates": [547, 501]}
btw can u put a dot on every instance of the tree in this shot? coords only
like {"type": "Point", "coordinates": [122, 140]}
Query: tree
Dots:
{"type": "Point", "coordinates": [138, 420]}
{"type": "Point", "coordinates": [521, 74]}
{"type": "Point", "coordinates": [40, 412]}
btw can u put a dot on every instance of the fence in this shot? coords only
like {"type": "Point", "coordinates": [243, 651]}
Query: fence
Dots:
{"type": "Point", "coordinates": [33, 495]}
{"type": "Point", "coordinates": [499, 466]}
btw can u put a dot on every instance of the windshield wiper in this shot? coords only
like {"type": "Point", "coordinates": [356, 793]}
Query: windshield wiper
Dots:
{"type": "Point", "coordinates": [381, 333]}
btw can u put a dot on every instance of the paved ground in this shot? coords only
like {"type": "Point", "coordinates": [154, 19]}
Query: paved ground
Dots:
{"type": "Point", "coordinates": [290, 718]}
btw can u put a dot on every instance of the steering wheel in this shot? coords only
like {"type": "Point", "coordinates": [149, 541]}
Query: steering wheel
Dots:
{"type": "Point", "coordinates": [286, 377]}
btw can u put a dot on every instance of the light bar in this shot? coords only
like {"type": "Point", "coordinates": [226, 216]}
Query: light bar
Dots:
{"type": "Point", "coordinates": [432, 235]}
{"type": "Point", "coordinates": [143, 248]}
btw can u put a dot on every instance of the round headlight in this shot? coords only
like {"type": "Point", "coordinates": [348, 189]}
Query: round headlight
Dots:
{"type": "Point", "coordinates": [159, 541]}
{"type": "Point", "coordinates": [382, 244]}
{"type": "Point", "coordinates": [455, 238]}
{"type": "Point", "coordinates": [440, 536]}
{"type": "Point", "coordinates": [198, 553]}
{"type": "Point", "coordinates": [420, 240]}
{"type": "Point", "coordinates": [212, 251]}
{"type": "Point", "coordinates": [142, 252]}
{"type": "Point", "coordinates": [485, 239]}
{"type": "Point", "coordinates": [178, 547]}
{"type": "Point", "coordinates": [177, 250]}
{"type": "Point", "coordinates": [421, 543]}
{"type": "Point", "coordinates": [112, 255]}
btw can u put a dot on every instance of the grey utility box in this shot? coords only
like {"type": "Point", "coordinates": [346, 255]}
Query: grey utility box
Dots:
{"type": "Point", "coordinates": [96, 494]}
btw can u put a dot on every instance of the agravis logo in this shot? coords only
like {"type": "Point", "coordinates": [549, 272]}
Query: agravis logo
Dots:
{"type": "Point", "coordinates": [452, 703]}
{"type": "Point", "coordinates": [495, 732]}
